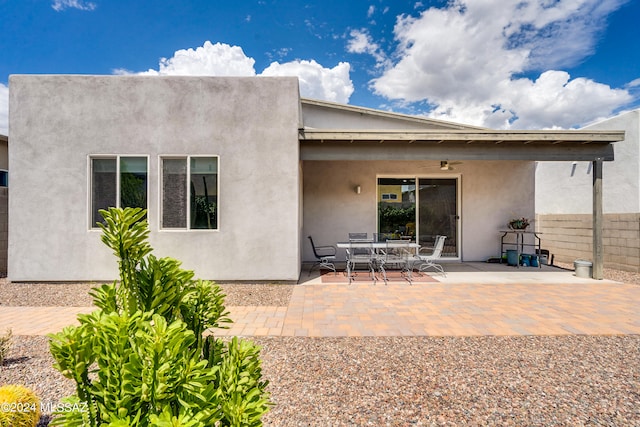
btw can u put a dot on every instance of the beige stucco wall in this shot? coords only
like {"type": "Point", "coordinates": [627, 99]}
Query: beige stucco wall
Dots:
{"type": "Point", "coordinates": [4, 207]}
{"type": "Point", "coordinates": [328, 115]}
{"type": "Point", "coordinates": [566, 187]}
{"type": "Point", "coordinates": [4, 230]}
{"type": "Point", "coordinates": [491, 192]}
{"type": "Point", "coordinates": [250, 123]}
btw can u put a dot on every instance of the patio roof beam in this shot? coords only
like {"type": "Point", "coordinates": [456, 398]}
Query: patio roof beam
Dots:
{"type": "Point", "coordinates": [373, 150]}
{"type": "Point", "coordinates": [466, 136]}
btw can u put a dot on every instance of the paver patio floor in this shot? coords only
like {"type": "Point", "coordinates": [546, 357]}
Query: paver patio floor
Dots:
{"type": "Point", "coordinates": [430, 309]}
{"type": "Point", "coordinates": [447, 310]}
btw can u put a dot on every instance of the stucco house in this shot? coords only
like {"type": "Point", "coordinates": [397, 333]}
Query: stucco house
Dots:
{"type": "Point", "coordinates": [236, 172]}
{"type": "Point", "coordinates": [564, 209]}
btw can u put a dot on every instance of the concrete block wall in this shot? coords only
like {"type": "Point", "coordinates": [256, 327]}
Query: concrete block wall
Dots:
{"type": "Point", "coordinates": [569, 237]}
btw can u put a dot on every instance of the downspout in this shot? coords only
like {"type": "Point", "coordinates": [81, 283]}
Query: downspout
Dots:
{"type": "Point", "coordinates": [598, 252]}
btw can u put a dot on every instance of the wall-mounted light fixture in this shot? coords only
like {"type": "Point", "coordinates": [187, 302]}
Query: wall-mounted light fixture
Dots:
{"type": "Point", "coordinates": [358, 189]}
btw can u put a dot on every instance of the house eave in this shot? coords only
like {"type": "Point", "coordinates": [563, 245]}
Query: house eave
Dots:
{"type": "Point", "coordinates": [481, 144]}
{"type": "Point", "coordinates": [464, 136]}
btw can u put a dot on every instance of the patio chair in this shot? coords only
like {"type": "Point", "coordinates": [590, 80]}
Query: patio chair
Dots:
{"type": "Point", "coordinates": [395, 255]}
{"type": "Point", "coordinates": [360, 237]}
{"type": "Point", "coordinates": [325, 257]}
{"type": "Point", "coordinates": [362, 253]}
{"type": "Point", "coordinates": [428, 261]}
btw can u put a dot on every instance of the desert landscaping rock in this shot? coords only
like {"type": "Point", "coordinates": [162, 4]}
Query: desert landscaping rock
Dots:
{"type": "Point", "coordinates": [421, 381]}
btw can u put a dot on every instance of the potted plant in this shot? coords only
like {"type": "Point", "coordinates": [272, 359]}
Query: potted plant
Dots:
{"type": "Point", "coordinates": [519, 223]}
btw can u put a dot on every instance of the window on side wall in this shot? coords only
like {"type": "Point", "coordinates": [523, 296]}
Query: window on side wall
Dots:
{"type": "Point", "coordinates": [117, 181]}
{"type": "Point", "coordinates": [189, 192]}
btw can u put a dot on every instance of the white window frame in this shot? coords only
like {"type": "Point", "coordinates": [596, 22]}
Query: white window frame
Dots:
{"type": "Point", "coordinates": [117, 157]}
{"type": "Point", "coordinates": [187, 158]}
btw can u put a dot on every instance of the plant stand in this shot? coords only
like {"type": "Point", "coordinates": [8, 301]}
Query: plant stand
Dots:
{"type": "Point", "coordinates": [520, 243]}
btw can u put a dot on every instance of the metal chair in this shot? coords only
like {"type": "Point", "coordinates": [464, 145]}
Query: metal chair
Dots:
{"type": "Point", "coordinates": [395, 254]}
{"type": "Point", "coordinates": [428, 261]}
{"type": "Point", "coordinates": [358, 236]}
{"type": "Point", "coordinates": [325, 257]}
{"type": "Point", "coordinates": [360, 252]}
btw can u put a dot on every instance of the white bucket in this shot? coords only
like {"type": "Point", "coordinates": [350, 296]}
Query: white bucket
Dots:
{"type": "Point", "coordinates": [583, 268]}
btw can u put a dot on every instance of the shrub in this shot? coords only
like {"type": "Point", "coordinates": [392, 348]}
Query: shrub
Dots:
{"type": "Point", "coordinates": [5, 345]}
{"type": "Point", "coordinates": [19, 407]}
{"type": "Point", "coordinates": [141, 358]}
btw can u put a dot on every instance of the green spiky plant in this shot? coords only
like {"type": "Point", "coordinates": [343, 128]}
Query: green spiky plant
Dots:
{"type": "Point", "coordinates": [19, 407]}
{"type": "Point", "coordinates": [143, 359]}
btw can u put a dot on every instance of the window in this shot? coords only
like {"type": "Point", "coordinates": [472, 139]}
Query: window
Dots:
{"type": "Point", "coordinates": [396, 207]}
{"type": "Point", "coordinates": [4, 178]}
{"type": "Point", "coordinates": [119, 182]}
{"type": "Point", "coordinates": [190, 193]}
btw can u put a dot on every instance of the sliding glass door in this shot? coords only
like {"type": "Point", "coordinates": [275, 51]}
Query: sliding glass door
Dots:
{"type": "Point", "coordinates": [438, 213]}
{"type": "Point", "coordinates": [419, 209]}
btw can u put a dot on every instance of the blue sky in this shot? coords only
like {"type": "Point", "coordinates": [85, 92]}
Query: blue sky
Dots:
{"type": "Point", "coordinates": [496, 63]}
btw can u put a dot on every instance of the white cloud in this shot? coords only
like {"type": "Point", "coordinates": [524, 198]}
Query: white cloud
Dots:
{"type": "Point", "coordinates": [316, 81]}
{"type": "Point", "coordinates": [371, 11]}
{"type": "Point", "coordinates": [467, 60]}
{"type": "Point", "coordinates": [208, 60]}
{"type": "Point", "coordinates": [60, 5]}
{"type": "Point", "coordinates": [634, 83]}
{"type": "Point", "coordinates": [553, 100]}
{"type": "Point", "coordinates": [362, 42]}
{"type": "Point", "coordinates": [4, 110]}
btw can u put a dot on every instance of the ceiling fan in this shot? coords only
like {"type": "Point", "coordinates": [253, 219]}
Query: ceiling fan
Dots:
{"type": "Point", "coordinates": [445, 165]}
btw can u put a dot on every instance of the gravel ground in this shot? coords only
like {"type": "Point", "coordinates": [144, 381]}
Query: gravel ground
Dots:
{"type": "Point", "coordinates": [610, 274]}
{"type": "Point", "coordinates": [421, 381]}
{"type": "Point", "coordinates": [77, 294]}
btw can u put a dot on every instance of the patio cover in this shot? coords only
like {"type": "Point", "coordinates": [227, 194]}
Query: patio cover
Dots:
{"type": "Point", "coordinates": [471, 144]}
{"type": "Point", "coordinates": [359, 144]}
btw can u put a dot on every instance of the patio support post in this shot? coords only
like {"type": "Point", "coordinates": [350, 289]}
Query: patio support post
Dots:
{"type": "Point", "coordinates": [598, 253]}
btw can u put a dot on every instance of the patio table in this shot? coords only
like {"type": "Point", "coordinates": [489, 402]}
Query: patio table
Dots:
{"type": "Point", "coordinates": [377, 246]}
